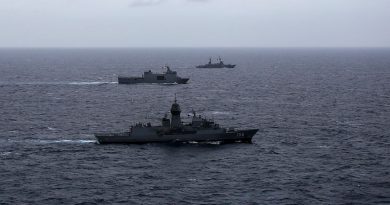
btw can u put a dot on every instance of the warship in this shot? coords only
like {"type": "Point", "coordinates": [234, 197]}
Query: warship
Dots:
{"type": "Point", "coordinates": [174, 130]}
{"type": "Point", "coordinates": [220, 64]}
{"type": "Point", "coordinates": [168, 77]}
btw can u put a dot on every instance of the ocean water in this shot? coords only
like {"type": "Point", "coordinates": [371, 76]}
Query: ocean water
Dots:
{"type": "Point", "coordinates": [323, 115]}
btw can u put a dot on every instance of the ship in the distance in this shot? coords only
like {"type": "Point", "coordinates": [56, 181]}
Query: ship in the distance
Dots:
{"type": "Point", "coordinates": [174, 130]}
{"type": "Point", "coordinates": [220, 64]}
{"type": "Point", "coordinates": [167, 77]}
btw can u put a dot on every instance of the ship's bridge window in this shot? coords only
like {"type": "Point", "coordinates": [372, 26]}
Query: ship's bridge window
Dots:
{"type": "Point", "coordinates": [160, 77]}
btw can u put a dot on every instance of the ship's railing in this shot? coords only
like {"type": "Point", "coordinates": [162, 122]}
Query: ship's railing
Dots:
{"type": "Point", "coordinates": [231, 129]}
{"type": "Point", "coordinates": [112, 134]}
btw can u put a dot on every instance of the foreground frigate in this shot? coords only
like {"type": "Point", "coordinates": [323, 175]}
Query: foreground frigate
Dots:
{"type": "Point", "coordinates": [168, 77]}
{"type": "Point", "coordinates": [174, 130]}
{"type": "Point", "coordinates": [220, 64]}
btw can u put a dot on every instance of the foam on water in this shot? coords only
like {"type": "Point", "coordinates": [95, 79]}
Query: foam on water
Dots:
{"type": "Point", "coordinates": [47, 141]}
{"type": "Point", "coordinates": [91, 83]}
{"type": "Point", "coordinates": [5, 153]}
{"type": "Point", "coordinates": [79, 141]}
{"type": "Point", "coordinates": [60, 83]}
{"type": "Point", "coordinates": [220, 113]}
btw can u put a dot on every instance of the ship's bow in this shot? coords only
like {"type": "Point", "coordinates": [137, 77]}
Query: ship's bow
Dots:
{"type": "Point", "coordinates": [183, 80]}
{"type": "Point", "coordinates": [248, 135]}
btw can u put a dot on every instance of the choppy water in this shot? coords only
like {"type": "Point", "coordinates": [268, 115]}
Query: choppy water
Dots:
{"type": "Point", "coordinates": [324, 116]}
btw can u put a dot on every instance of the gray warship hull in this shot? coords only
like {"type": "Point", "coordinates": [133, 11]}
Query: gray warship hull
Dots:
{"type": "Point", "coordinates": [244, 136]}
{"type": "Point", "coordinates": [171, 130]}
{"type": "Point", "coordinates": [135, 80]}
{"type": "Point", "coordinates": [220, 64]}
{"type": "Point", "coordinates": [168, 77]}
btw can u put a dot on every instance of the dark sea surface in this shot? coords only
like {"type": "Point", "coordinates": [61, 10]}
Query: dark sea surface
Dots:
{"type": "Point", "coordinates": [323, 115]}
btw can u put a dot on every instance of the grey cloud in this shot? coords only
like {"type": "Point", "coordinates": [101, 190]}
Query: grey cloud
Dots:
{"type": "Point", "coordinates": [138, 3]}
{"type": "Point", "coordinates": [198, 0]}
{"type": "Point", "coordinates": [182, 23]}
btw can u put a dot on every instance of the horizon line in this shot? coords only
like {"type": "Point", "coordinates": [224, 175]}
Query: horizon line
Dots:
{"type": "Point", "coordinates": [191, 47]}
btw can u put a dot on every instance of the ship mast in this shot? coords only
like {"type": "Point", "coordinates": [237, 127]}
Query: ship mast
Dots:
{"type": "Point", "coordinates": [175, 115]}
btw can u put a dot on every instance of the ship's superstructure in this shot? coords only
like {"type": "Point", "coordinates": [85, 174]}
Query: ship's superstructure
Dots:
{"type": "Point", "coordinates": [175, 113]}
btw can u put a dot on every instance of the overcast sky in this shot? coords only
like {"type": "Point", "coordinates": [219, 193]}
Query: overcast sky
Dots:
{"type": "Point", "coordinates": [194, 23]}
